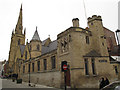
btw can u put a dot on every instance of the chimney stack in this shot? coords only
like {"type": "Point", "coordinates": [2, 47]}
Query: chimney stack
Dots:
{"type": "Point", "coordinates": [75, 22]}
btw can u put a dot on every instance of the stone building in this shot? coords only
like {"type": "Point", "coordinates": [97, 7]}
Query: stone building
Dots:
{"type": "Point", "coordinates": [85, 51]}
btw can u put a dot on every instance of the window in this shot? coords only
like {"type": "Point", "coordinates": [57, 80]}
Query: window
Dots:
{"type": "Point", "coordinates": [45, 64]}
{"type": "Point", "coordinates": [86, 67]}
{"type": "Point", "coordinates": [102, 43]}
{"type": "Point", "coordinates": [87, 39]}
{"type": "Point", "coordinates": [24, 69]}
{"type": "Point", "coordinates": [53, 62]}
{"type": "Point", "coordinates": [116, 70]}
{"type": "Point", "coordinates": [93, 66]}
{"type": "Point", "coordinates": [29, 68]}
{"type": "Point", "coordinates": [26, 55]}
{"type": "Point", "coordinates": [38, 47]}
{"type": "Point", "coordinates": [91, 23]}
{"type": "Point", "coordinates": [33, 67]}
{"type": "Point", "coordinates": [70, 38]}
{"type": "Point", "coordinates": [38, 63]}
{"type": "Point", "coordinates": [19, 42]}
{"type": "Point", "coordinates": [30, 47]}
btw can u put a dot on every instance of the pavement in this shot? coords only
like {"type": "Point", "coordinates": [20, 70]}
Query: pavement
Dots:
{"type": "Point", "coordinates": [7, 83]}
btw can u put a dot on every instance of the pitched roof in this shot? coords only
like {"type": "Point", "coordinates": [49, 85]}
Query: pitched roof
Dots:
{"type": "Point", "coordinates": [92, 53]}
{"type": "Point", "coordinates": [52, 46]}
{"type": "Point", "coordinates": [22, 48]}
{"type": "Point", "coordinates": [36, 36]}
{"type": "Point", "coordinates": [43, 42]}
{"type": "Point", "coordinates": [115, 51]}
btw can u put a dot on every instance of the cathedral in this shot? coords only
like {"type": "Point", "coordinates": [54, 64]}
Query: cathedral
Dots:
{"type": "Point", "coordinates": [84, 49]}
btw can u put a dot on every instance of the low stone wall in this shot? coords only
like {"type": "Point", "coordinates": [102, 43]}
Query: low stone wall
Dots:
{"type": "Point", "coordinates": [49, 78]}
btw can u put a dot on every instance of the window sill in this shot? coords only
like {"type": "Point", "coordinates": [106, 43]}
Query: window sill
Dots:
{"type": "Point", "coordinates": [95, 75]}
{"type": "Point", "coordinates": [87, 75]}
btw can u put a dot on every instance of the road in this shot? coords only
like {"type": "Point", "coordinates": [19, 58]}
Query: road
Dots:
{"type": "Point", "coordinates": [7, 83]}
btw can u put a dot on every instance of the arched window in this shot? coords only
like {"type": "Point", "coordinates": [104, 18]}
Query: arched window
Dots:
{"type": "Point", "coordinates": [38, 47]}
{"type": "Point", "coordinates": [19, 42]}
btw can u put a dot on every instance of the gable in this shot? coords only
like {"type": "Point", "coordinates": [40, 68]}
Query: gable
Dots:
{"type": "Point", "coordinates": [92, 53]}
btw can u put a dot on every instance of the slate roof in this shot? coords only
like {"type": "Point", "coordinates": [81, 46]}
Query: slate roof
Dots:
{"type": "Point", "coordinates": [92, 53]}
{"type": "Point", "coordinates": [52, 46]}
{"type": "Point", "coordinates": [115, 51]}
{"type": "Point", "coordinates": [36, 36]}
{"type": "Point", "coordinates": [43, 42]}
{"type": "Point", "coordinates": [22, 48]}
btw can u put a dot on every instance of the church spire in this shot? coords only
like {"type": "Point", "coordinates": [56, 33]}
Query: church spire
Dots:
{"type": "Point", "coordinates": [36, 35]}
{"type": "Point", "coordinates": [19, 27]}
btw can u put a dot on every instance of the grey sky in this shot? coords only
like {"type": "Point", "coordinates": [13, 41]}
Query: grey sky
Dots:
{"type": "Point", "coordinates": [51, 17]}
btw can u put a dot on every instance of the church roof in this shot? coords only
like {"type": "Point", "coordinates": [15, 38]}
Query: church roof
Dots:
{"type": "Point", "coordinates": [43, 42]}
{"type": "Point", "coordinates": [36, 36]}
{"type": "Point", "coordinates": [22, 48]}
{"type": "Point", "coordinates": [92, 53]}
{"type": "Point", "coordinates": [51, 47]}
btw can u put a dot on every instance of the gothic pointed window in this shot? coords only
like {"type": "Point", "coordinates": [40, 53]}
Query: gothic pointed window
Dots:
{"type": "Point", "coordinates": [19, 42]}
{"type": "Point", "coordinates": [38, 47]}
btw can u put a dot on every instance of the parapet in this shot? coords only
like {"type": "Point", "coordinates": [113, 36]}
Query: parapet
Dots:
{"type": "Point", "coordinates": [94, 17]}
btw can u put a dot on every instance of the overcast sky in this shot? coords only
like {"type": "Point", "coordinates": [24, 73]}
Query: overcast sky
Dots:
{"type": "Point", "coordinates": [51, 17]}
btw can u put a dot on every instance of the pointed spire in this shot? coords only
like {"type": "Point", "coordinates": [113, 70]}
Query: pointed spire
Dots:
{"type": "Point", "coordinates": [19, 26]}
{"type": "Point", "coordinates": [36, 35]}
{"type": "Point", "coordinates": [21, 7]}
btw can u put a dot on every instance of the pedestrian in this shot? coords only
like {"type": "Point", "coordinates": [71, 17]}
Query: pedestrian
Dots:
{"type": "Point", "coordinates": [102, 83]}
{"type": "Point", "coordinates": [106, 81]}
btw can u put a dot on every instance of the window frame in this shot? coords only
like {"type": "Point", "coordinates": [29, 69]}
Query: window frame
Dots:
{"type": "Point", "coordinates": [86, 66]}
{"type": "Point", "coordinates": [53, 62]}
{"type": "Point", "coordinates": [93, 66]}
{"type": "Point", "coordinates": [45, 64]}
{"type": "Point", "coordinates": [33, 66]}
{"type": "Point", "coordinates": [38, 65]}
{"type": "Point", "coordinates": [87, 40]}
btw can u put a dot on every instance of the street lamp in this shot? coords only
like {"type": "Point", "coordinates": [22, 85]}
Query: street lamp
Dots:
{"type": "Point", "coordinates": [29, 71]}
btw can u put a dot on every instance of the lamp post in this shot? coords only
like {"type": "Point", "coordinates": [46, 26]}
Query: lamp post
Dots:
{"type": "Point", "coordinates": [29, 71]}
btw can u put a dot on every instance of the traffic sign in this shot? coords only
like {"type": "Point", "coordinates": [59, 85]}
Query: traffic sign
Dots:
{"type": "Point", "coordinates": [65, 67]}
